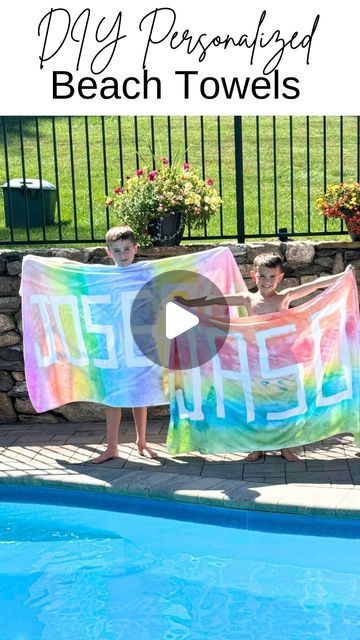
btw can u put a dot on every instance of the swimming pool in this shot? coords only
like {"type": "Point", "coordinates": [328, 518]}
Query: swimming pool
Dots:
{"type": "Point", "coordinates": [189, 573]}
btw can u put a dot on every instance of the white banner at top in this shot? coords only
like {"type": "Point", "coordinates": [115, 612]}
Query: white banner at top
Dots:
{"type": "Point", "coordinates": [180, 57]}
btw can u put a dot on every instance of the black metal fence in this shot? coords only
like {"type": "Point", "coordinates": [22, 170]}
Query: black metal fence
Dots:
{"type": "Point", "coordinates": [269, 171]}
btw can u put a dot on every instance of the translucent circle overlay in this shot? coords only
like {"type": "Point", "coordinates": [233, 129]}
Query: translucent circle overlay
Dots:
{"type": "Point", "coordinates": [195, 346]}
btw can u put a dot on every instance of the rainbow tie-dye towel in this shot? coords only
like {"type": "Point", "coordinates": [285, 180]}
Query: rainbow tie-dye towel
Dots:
{"type": "Point", "coordinates": [280, 380]}
{"type": "Point", "coordinates": [78, 345]}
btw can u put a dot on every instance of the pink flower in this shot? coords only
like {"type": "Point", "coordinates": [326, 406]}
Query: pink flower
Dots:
{"type": "Point", "coordinates": [139, 172]}
{"type": "Point", "coordinates": [164, 160]}
{"type": "Point", "coordinates": [152, 175]}
{"type": "Point", "coordinates": [186, 166]}
{"type": "Point", "coordinates": [210, 182]}
{"type": "Point", "coordinates": [118, 190]}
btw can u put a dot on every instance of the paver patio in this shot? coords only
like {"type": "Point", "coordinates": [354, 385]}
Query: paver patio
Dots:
{"type": "Point", "coordinates": [325, 481]}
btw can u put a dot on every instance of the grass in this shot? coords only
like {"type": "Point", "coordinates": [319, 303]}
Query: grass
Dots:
{"type": "Point", "coordinates": [268, 173]}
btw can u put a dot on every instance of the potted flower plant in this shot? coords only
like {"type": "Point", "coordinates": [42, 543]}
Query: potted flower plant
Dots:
{"type": "Point", "coordinates": [343, 201]}
{"type": "Point", "coordinates": [158, 203]}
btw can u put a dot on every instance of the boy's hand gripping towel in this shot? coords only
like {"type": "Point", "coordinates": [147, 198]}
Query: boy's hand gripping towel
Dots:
{"type": "Point", "coordinates": [78, 344]}
{"type": "Point", "coordinates": [280, 380]}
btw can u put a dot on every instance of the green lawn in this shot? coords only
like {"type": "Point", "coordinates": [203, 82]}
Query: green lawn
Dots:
{"type": "Point", "coordinates": [307, 173]}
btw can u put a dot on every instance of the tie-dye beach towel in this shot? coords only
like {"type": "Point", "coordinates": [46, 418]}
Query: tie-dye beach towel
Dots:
{"type": "Point", "coordinates": [78, 344]}
{"type": "Point", "coordinates": [280, 380]}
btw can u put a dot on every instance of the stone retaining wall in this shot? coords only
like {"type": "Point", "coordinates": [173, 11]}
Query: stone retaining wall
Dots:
{"type": "Point", "coordinates": [304, 261]}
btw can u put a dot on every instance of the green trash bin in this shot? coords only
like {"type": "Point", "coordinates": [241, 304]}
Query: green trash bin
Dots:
{"type": "Point", "coordinates": [38, 197]}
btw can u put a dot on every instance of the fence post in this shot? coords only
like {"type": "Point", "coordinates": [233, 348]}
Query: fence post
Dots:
{"type": "Point", "coordinates": [240, 218]}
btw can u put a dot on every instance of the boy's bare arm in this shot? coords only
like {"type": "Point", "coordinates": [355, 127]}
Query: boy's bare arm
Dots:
{"type": "Point", "coordinates": [305, 289]}
{"type": "Point", "coordinates": [235, 299]}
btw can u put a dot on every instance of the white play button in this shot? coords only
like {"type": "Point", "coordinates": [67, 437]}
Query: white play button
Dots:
{"type": "Point", "coordinates": [178, 320]}
{"type": "Point", "coordinates": [157, 317]}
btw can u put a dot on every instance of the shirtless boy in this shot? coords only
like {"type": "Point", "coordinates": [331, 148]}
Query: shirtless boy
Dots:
{"type": "Point", "coordinates": [267, 273]}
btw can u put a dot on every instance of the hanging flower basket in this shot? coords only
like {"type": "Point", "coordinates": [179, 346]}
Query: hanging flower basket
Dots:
{"type": "Point", "coordinates": [157, 204]}
{"type": "Point", "coordinates": [342, 201]}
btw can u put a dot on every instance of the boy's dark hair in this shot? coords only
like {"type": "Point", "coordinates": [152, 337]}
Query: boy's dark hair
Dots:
{"type": "Point", "coordinates": [269, 260]}
{"type": "Point", "coordinates": [122, 232]}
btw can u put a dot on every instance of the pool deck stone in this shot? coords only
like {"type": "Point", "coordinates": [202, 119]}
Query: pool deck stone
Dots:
{"type": "Point", "coordinates": [325, 481]}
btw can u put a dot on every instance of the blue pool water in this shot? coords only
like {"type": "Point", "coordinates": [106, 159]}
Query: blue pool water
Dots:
{"type": "Point", "coordinates": [74, 573]}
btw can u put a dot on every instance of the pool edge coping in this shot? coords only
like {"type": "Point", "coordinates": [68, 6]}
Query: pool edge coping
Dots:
{"type": "Point", "coordinates": [342, 502]}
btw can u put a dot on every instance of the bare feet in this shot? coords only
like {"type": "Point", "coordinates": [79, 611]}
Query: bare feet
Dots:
{"type": "Point", "coordinates": [146, 452]}
{"type": "Point", "coordinates": [289, 455]}
{"type": "Point", "coordinates": [107, 455]}
{"type": "Point", "coordinates": [254, 456]}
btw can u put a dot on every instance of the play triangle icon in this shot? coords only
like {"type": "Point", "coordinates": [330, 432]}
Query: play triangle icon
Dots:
{"type": "Point", "coordinates": [178, 320]}
{"type": "Point", "coordinates": [158, 317]}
